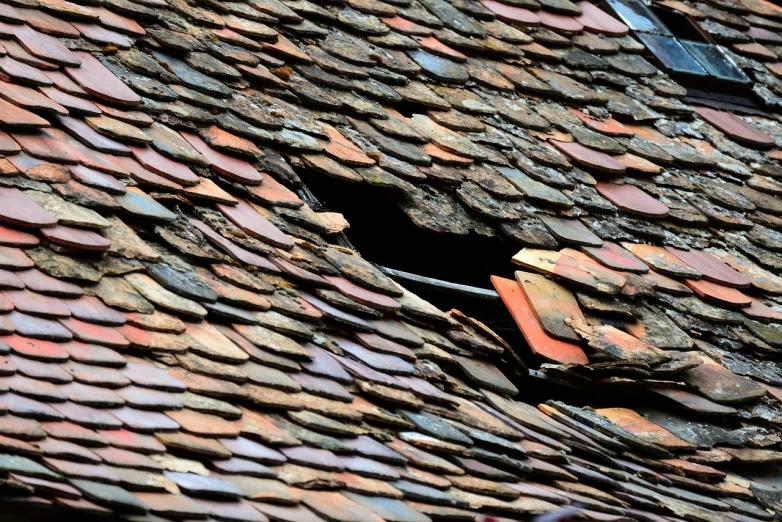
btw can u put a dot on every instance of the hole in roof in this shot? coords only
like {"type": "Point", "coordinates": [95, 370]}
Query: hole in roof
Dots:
{"type": "Point", "coordinates": [680, 25]}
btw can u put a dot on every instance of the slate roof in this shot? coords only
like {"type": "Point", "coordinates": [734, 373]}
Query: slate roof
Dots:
{"type": "Point", "coordinates": [182, 337]}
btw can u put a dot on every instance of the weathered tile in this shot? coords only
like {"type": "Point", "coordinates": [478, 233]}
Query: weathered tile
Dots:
{"type": "Point", "coordinates": [711, 267]}
{"type": "Point", "coordinates": [579, 271]}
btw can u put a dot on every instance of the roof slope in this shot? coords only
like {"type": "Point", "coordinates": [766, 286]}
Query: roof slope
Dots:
{"type": "Point", "coordinates": [181, 339]}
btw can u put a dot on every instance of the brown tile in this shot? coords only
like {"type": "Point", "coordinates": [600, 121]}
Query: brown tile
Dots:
{"type": "Point", "coordinates": [77, 238]}
{"type": "Point", "coordinates": [720, 385]}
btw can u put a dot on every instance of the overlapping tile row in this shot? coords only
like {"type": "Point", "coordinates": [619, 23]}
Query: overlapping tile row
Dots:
{"type": "Point", "coordinates": [182, 340]}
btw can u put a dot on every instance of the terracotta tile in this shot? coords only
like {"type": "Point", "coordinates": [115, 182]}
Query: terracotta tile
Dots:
{"type": "Point", "coordinates": [67, 431]}
{"type": "Point", "coordinates": [17, 117]}
{"type": "Point", "coordinates": [144, 421]}
{"type": "Point", "coordinates": [93, 333]}
{"type": "Point", "coordinates": [608, 126]}
{"type": "Point", "coordinates": [616, 258]}
{"type": "Point", "coordinates": [761, 312]}
{"type": "Point", "coordinates": [712, 268]}
{"type": "Point", "coordinates": [223, 140]}
{"type": "Point", "coordinates": [14, 259]}
{"type": "Point", "coordinates": [638, 164]}
{"type": "Point", "coordinates": [632, 200]}
{"type": "Point", "coordinates": [251, 222]}
{"type": "Point", "coordinates": [37, 304]}
{"type": "Point", "coordinates": [589, 157]}
{"type": "Point", "coordinates": [552, 304]}
{"type": "Point", "coordinates": [512, 14]}
{"type": "Point", "coordinates": [198, 485]}
{"type": "Point", "coordinates": [718, 295]}
{"type": "Point", "coordinates": [720, 385]}
{"type": "Point", "coordinates": [382, 362]}
{"type": "Point", "coordinates": [163, 166]}
{"type": "Point", "coordinates": [596, 20]}
{"type": "Point", "coordinates": [362, 295]}
{"type": "Point", "coordinates": [77, 238]}
{"type": "Point", "coordinates": [735, 127]}
{"type": "Point", "coordinates": [18, 209]}
{"type": "Point", "coordinates": [148, 376]}
{"type": "Point", "coordinates": [22, 73]}
{"type": "Point", "coordinates": [558, 22]}
{"type": "Point", "coordinates": [46, 47]}
{"type": "Point", "coordinates": [29, 99]}
{"type": "Point", "coordinates": [233, 168]}
{"type": "Point", "coordinates": [117, 22]}
{"type": "Point", "coordinates": [661, 260]}
{"type": "Point", "coordinates": [45, 145]}
{"type": "Point", "coordinates": [648, 431]}
{"type": "Point", "coordinates": [202, 424]}
{"type": "Point", "coordinates": [274, 193]}
{"type": "Point", "coordinates": [336, 507]}
{"type": "Point", "coordinates": [36, 327]}
{"type": "Point", "coordinates": [96, 79]}
{"type": "Point", "coordinates": [79, 130]}
{"type": "Point", "coordinates": [37, 281]}
{"type": "Point", "coordinates": [235, 251]}
{"type": "Point", "coordinates": [341, 149]}
{"type": "Point", "coordinates": [98, 180]}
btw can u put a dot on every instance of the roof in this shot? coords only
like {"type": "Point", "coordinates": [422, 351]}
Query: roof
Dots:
{"type": "Point", "coordinates": [184, 335]}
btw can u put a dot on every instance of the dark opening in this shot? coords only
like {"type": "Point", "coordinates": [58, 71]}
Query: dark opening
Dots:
{"type": "Point", "coordinates": [680, 25]}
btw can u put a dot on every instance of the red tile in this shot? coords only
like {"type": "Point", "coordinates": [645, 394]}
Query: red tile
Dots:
{"type": "Point", "coordinates": [632, 200]}
{"type": "Point", "coordinates": [718, 294]}
{"type": "Point", "coordinates": [273, 192]}
{"type": "Point", "coordinates": [14, 259]}
{"type": "Point", "coordinates": [598, 21]}
{"type": "Point", "coordinates": [511, 14]}
{"type": "Point", "coordinates": [93, 333]}
{"type": "Point", "coordinates": [235, 251]}
{"type": "Point", "coordinates": [540, 343]}
{"type": "Point", "coordinates": [117, 22]}
{"type": "Point", "coordinates": [17, 238]}
{"type": "Point", "coordinates": [46, 47]}
{"type": "Point", "coordinates": [615, 257]}
{"type": "Point", "coordinates": [250, 221]}
{"type": "Point", "coordinates": [362, 295]}
{"type": "Point", "coordinates": [133, 441]}
{"type": "Point", "coordinates": [608, 126]}
{"type": "Point", "coordinates": [47, 23]}
{"type": "Point", "coordinates": [589, 158]}
{"type": "Point", "coordinates": [37, 304]}
{"type": "Point", "coordinates": [8, 145]}
{"type": "Point", "coordinates": [85, 134]}
{"type": "Point", "coordinates": [14, 116]}
{"type": "Point", "coordinates": [35, 348]}
{"type": "Point", "coordinates": [553, 305]}
{"type": "Point", "coordinates": [28, 98]}
{"type": "Point", "coordinates": [47, 146]}
{"type": "Point", "coordinates": [558, 22]}
{"type": "Point", "coordinates": [229, 166]}
{"type": "Point", "coordinates": [65, 84]}
{"type": "Point", "coordinates": [97, 80]}
{"type": "Point", "coordinates": [735, 127]}
{"type": "Point", "coordinates": [78, 238]}
{"type": "Point", "coordinates": [23, 73]}
{"type": "Point", "coordinates": [163, 166]}
{"type": "Point", "coordinates": [102, 36]}
{"type": "Point", "coordinates": [712, 268]}
{"type": "Point", "coordinates": [37, 281]}
{"type": "Point", "coordinates": [92, 310]}
{"type": "Point", "coordinates": [70, 102]}
{"type": "Point", "coordinates": [18, 209]}
{"type": "Point", "coordinates": [343, 150]}
{"type": "Point", "coordinates": [761, 312]}
{"type": "Point", "coordinates": [98, 180]}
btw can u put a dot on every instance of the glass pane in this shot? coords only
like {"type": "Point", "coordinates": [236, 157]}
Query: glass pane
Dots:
{"type": "Point", "coordinates": [637, 16]}
{"type": "Point", "coordinates": [716, 62]}
{"type": "Point", "coordinates": [671, 54]}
